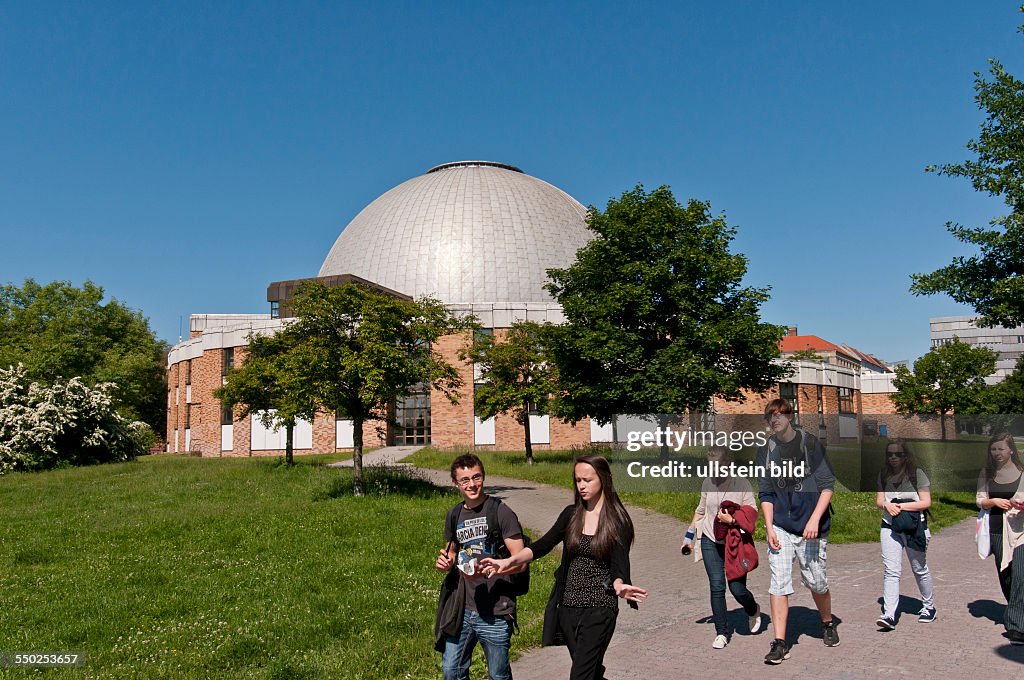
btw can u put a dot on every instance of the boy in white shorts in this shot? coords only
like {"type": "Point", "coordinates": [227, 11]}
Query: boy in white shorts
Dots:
{"type": "Point", "coordinates": [797, 519]}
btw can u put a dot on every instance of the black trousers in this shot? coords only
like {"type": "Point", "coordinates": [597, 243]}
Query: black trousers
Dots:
{"type": "Point", "coordinates": [587, 632]}
{"type": "Point", "coordinates": [1005, 575]}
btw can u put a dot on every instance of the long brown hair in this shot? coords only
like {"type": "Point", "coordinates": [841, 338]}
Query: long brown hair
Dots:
{"type": "Point", "coordinates": [613, 524]}
{"type": "Point", "coordinates": [907, 471]}
{"type": "Point", "coordinates": [990, 467]}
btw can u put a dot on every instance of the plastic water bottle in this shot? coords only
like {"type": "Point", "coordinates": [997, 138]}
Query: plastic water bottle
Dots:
{"type": "Point", "coordinates": [688, 540]}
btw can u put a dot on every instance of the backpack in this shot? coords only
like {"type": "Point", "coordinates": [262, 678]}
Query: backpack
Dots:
{"type": "Point", "coordinates": [494, 543]}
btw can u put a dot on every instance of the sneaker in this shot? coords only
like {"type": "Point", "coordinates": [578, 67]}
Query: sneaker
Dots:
{"type": "Point", "coordinates": [755, 621]}
{"type": "Point", "coordinates": [829, 634]}
{"type": "Point", "coordinates": [778, 652]}
{"type": "Point", "coordinates": [1016, 637]}
{"type": "Point", "coordinates": [927, 615]}
{"type": "Point", "coordinates": [720, 642]}
{"type": "Point", "coordinates": [885, 623]}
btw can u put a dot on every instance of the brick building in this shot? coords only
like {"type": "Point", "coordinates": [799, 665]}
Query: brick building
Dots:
{"type": "Point", "coordinates": [480, 237]}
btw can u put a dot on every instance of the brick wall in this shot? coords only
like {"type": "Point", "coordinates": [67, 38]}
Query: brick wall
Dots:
{"type": "Point", "coordinates": [451, 425]}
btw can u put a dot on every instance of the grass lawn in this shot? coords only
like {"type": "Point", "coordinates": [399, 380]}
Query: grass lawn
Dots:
{"type": "Point", "coordinates": [176, 567]}
{"type": "Point", "coordinates": [856, 518]}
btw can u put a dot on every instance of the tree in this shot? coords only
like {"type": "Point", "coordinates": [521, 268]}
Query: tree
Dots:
{"type": "Point", "coordinates": [515, 376]}
{"type": "Point", "coordinates": [63, 423]}
{"type": "Point", "coordinates": [271, 384]}
{"type": "Point", "coordinates": [657, 318]}
{"type": "Point", "coordinates": [993, 281]}
{"type": "Point", "coordinates": [948, 379]}
{"type": "Point", "coordinates": [361, 351]}
{"type": "Point", "coordinates": [59, 332]}
{"type": "Point", "coordinates": [1007, 398]}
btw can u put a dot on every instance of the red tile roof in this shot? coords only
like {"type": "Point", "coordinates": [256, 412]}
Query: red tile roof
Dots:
{"type": "Point", "coordinates": [795, 343]}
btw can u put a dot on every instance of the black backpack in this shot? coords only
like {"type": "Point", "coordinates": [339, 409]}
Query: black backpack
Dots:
{"type": "Point", "coordinates": [494, 543]}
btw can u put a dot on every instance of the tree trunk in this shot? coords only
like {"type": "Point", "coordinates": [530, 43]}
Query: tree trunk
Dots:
{"type": "Point", "coordinates": [663, 423]}
{"type": "Point", "coordinates": [942, 424]}
{"type": "Point", "coordinates": [357, 456]}
{"type": "Point", "coordinates": [289, 444]}
{"type": "Point", "coordinates": [526, 429]}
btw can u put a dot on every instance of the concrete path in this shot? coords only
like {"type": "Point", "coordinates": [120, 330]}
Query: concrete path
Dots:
{"type": "Point", "coordinates": [670, 636]}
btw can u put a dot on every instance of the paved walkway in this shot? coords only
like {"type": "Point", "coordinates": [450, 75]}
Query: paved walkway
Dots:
{"type": "Point", "coordinates": [670, 636]}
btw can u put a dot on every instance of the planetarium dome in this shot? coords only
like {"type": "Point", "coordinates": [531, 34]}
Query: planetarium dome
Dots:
{"type": "Point", "coordinates": [469, 232]}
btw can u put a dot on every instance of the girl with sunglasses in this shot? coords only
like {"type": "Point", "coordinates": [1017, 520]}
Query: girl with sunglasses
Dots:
{"type": "Point", "coordinates": [903, 489]}
{"type": "Point", "coordinates": [1001, 492]}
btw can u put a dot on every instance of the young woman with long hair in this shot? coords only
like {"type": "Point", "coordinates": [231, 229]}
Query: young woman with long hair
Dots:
{"type": "Point", "coordinates": [1001, 492]}
{"type": "Point", "coordinates": [714, 492]}
{"type": "Point", "coordinates": [597, 534]}
{"type": "Point", "coordinates": [904, 494]}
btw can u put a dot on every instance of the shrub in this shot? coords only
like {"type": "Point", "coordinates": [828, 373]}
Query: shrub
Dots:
{"type": "Point", "coordinates": [66, 423]}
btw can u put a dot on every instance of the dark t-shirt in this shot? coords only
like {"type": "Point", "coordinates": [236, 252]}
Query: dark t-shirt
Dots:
{"type": "Point", "coordinates": [995, 515]}
{"type": "Point", "coordinates": [471, 537]}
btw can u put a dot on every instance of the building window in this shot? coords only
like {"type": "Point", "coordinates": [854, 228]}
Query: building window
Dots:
{"type": "Point", "coordinates": [846, 400]}
{"type": "Point", "coordinates": [788, 392]}
{"type": "Point", "coordinates": [188, 372]}
{"type": "Point", "coordinates": [275, 309]}
{"type": "Point", "coordinates": [229, 360]}
{"type": "Point", "coordinates": [188, 416]}
{"type": "Point", "coordinates": [226, 415]}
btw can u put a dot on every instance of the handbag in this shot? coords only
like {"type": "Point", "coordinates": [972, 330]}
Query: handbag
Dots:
{"type": "Point", "coordinates": [982, 536]}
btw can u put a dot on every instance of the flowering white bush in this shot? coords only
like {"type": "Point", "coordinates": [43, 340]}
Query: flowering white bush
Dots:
{"type": "Point", "coordinates": [66, 423]}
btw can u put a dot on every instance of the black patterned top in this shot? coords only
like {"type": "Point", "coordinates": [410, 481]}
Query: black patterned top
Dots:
{"type": "Point", "coordinates": [585, 582]}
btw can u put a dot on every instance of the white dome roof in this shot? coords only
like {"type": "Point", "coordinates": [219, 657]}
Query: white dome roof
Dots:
{"type": "Point", "coordinates": [464, 232]}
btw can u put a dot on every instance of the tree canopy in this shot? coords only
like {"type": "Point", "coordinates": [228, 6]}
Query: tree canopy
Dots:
{"type": "Point", "coordinates": [354, 352]}
{"type": "Point", "coordinates": [992, 282]}
{"type": "Point", "coordinates": [948, 379]}
{"type": "Point", "coordinates": [58, 332]}
{"type": "Point", "coordinates": [515, 376]}
{"type": "Point", "coordinates": [657, 318]}
{"type": "Point", "coordinates": [271, 382]}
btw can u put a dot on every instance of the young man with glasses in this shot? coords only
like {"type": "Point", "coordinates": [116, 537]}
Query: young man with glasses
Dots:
{"type": "Point", "coordinates": [490, 604]}
{"type": "Point", "coordinates": [797, 520]}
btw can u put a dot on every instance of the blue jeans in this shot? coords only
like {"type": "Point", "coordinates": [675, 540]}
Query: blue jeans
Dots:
{"type": "Point", "coordinates": [713, 555]}
{"type": "Point", "coordinates": [494, 634]}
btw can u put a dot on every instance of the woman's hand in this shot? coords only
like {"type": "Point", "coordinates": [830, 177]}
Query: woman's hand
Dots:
{"type": "Point", "coordinates": [1001, 503]}
{"type": "Point", "coordinates": [893, 509]}
{"type": "Point", "coordinates": [725, 518]}
{"type": "Point", "coordinates": [493, 567]}
{"type": "Point", "coordinates": [629, 592]}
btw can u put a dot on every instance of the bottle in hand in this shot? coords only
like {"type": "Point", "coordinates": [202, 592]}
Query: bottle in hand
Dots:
{"type": "Point", "coordinates": [688, 541]}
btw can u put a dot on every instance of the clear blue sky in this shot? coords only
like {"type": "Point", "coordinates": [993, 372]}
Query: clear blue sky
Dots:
{"type": "Point", "coordinates": [183, 155]}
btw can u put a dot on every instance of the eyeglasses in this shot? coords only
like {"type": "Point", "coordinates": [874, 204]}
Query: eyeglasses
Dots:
{"type": "Point", "coordinates": [896, 454]}
{"type": "Point", "coordinates": [465, 481]}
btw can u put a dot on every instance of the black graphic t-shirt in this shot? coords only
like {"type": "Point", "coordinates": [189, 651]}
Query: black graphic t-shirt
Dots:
{"type": "Point", "coordinates": [471, 544]}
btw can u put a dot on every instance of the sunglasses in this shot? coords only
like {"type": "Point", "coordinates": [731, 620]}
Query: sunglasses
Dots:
{"type": "Point", "coordinates": [896, 454]}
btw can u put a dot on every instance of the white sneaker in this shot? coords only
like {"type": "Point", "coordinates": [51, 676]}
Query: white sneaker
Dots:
{"type": "Point", "coordinates": [755, 621]}
{"type": "Point", "coordinates": [720, 642]}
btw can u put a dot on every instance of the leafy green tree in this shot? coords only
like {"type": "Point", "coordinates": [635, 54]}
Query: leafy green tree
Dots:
{"type": "Point", "coordinates": [515, 375]}
{"type": "Point", "coordinates": [1007, 397]}
{"type": "Point", "coordinates": [992, 282]}
{"type": "Point", "coordinates": [948, 379]}
{"type": "Point", "coordinates": [58, 332]}
{"type": "Point", "coordinates": [271, 384]}
{"type": "Point", "coordinates": [361, 351]}
{"type": "Point", "coordinates": [658, 320]}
